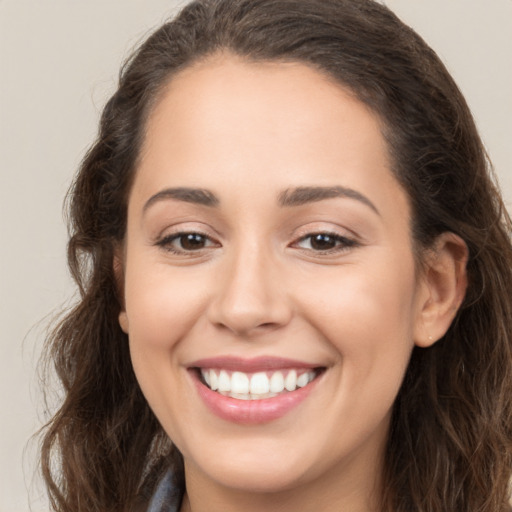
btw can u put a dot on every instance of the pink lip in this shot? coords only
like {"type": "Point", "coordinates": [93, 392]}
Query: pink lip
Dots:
{"type": "Point", "coordinates": [250, 412]}
{"type": "Point", "coordinates": [257, 364]}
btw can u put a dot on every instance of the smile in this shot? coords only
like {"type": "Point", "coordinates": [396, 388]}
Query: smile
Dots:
{"type": "Point", "coordinates": [253, 391]}
{"type": "Point", "coordinates": [256, 386]}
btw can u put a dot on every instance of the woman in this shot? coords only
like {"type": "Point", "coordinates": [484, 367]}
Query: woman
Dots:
{"type": "Point", "coordinates": [294, 265]}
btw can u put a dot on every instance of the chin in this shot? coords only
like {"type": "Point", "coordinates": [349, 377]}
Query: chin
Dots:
{"type": "Point", "coordinates": [254, 471]}
{"type": "Point", "coordinates": [257, 479]}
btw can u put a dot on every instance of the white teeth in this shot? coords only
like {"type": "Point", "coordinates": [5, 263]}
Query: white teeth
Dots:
{"type": "Point", "coordinates": [224, 381]}
{"type": "Point", "coordinates": [260, 384]}
{"type": "Point", "coordinates": [239, 383]}
{"type": "Point", "coordinates": [290, 383]}
{"type": "Point", "coordinates": [214, 380]}
{"type": "Point", "coordinates": [255, 386]}
{"type": "Point", "coordinates": [302, 380]}
{"type": "Point", "coordinates": [241, 396]}
{"type": "Point", "coordinates": [277, 383]}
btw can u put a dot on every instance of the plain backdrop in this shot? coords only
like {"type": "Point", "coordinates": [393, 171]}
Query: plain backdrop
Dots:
{"type": "Point", "coordinates": [59, 61]}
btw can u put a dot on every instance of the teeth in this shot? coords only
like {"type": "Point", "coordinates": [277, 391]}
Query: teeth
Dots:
{"type": "Point", "coordinates": [240, 396]}
{"type": "Point", "coordinates": [290, 383]}
{"type": "Point", "coordinates": [277, 382]}
{"type": "Point", "coordinates": [257, 385]}
{"type": "Point", "coordinates": [260, 384]}
{"type": "Point", "coordinates": [302, 380]}
{"type": "Point", "coordinates": [240, 383]}
{"type": "Point", "coordinates": [224, 381]}
{"type": "Point", "coordinates": [214, 380]}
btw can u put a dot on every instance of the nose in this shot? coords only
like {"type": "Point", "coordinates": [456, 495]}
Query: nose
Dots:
{"type": "Point", "coordinates": [250, 295]}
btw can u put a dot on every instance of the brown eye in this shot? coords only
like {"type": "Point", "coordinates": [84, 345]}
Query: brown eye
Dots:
{"type": "Point", "coordinates": [191, 241]}
{"type": "Point", "coordinates": [325, 242]}
{"type": "Point", "coordinates": [322, 242]}
{"type": "Point", "coordinates": [186, 242]}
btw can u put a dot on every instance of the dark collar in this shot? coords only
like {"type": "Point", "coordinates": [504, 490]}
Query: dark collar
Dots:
{"type": "Point", "coordinates": [167, 496]}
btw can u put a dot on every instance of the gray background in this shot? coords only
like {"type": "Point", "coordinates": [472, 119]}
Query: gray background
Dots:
{"type": "Point", "coordinates": [58, 63]}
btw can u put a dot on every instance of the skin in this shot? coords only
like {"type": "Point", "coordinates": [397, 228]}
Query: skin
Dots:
{"type": "Point", "coordinates": [257, 286]}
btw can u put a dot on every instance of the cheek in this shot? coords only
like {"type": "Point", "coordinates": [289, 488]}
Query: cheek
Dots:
{"type": "Point", "coordinates": [161, 307]}
{"type": "Point", "coordinates": [359, 300]}
{"type": "Point", "coordinates": [367, 318]}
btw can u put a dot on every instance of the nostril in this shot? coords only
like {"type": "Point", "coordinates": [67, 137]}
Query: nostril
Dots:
{"type": "Point", "coordinates": [267, 325]}
{"type": "Point", "coordinates": [245, 331]}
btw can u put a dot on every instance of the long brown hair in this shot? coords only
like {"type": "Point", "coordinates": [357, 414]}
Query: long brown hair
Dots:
{"type": "Point", "coordinates": [450, 444]}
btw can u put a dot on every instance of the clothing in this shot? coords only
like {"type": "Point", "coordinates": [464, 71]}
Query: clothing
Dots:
{"type": "Point", "coordinates": [167, 497]}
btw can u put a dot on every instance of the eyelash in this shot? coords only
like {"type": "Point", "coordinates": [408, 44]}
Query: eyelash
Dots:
{"type": "Point", "coordinates": [341, 243]}
{"type": "Point", "coordinates": [167, 242]}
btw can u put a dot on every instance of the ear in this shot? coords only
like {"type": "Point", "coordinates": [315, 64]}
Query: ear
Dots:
{"type": "Point", "coordinates": [442, 289]}
{"type": "Point", "coordinates": [118, 267]}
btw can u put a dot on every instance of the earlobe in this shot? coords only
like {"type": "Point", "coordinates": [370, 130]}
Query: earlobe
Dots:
{"type": "Point", "coordinates": [444, 283]}
{"type": "Point", "coordinates": [123, 321]}
{"type": "Point", "coordinates": [118, 268]}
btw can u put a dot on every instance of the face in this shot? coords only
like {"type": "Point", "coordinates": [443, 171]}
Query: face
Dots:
{"type": "Point", "coordinates": [268, 256]}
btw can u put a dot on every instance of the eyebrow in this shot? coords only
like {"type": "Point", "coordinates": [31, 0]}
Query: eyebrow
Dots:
{"type": "Point", "coordinates": [188, 195]}
{"type": "Point", "coordinates": [288, 198]}
{"type": "Point", "coordinates": [303, 195]}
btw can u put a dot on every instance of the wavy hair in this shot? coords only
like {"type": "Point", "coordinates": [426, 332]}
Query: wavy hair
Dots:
{"type": "Point", "coordinates": [450, 443]}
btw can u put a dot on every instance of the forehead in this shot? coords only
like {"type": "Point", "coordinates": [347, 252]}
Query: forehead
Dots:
{"type": "Point", "coordinates": [226, 92]}
{"type": "Point", "coordinates": [225, 120]}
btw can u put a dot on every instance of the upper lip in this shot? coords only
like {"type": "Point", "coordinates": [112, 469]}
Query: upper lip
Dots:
{"type": "Point", "coordinates": [252, 365]}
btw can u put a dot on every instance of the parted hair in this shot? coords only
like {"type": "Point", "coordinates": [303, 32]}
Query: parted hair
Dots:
{"type": "Point", "coordinates": [450, 442]}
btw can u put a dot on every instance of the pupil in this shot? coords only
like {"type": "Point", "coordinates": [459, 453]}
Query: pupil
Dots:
{"type": "Point", "coordinates": [192, 241]}
{"type": "Point", "coordinates": [322, 242]}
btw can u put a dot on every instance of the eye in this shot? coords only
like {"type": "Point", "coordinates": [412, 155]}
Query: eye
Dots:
{"type": "Point", "coordinates": [186, 242]}
{"type": "Point", "coordinates": [325, 242]}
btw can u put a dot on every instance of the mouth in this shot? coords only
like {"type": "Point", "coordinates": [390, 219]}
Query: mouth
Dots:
{"type": "Point", "coordinates": [253, 391]}
{"type": "Point", "coordinates": [257, 385]}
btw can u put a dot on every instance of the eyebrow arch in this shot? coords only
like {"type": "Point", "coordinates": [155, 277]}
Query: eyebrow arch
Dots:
{"type": "Point", "coordinates": [188, 195]}
{"type": "Point", "coordinates": [303, 195]}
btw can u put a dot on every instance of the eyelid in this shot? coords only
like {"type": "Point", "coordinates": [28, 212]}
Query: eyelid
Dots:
{"type": "Point", "coordinates": [166, 244]}
{"type": "Point", "coordinates": [172, 233]}
{"type": "Point", "coordinates": [342, 243]}
{"type": "Point", "coordinates": [183, 227]}
{"type": "Point", "coordinates": [346, 239]}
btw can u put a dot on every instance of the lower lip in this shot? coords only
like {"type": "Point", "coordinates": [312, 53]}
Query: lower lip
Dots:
{"type": "Point", "coordinates": [251, 412]}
